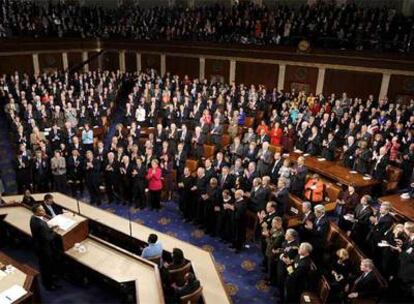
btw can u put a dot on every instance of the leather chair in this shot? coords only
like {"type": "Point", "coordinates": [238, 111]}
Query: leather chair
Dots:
{"type": "Point", "coordinates": [177, 275]}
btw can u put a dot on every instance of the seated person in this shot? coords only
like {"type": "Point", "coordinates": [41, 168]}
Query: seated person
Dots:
{"type": "Point", "coordinates": [314, 190]}
{"type": "Point", "coordinates": [366, 285]}
{"type": "Point", "coordinates": [28, 199]}
{"type": "Point", "coordinates": [191, 285]}
{"type": "Point", "coordinates": [50, 207]}
{"type": "Point", "coordinates": [339, 274]}
{"type": "Point", "coordinates": [177, 261]}
{"type": "Point", "coordinates": [153, 249]}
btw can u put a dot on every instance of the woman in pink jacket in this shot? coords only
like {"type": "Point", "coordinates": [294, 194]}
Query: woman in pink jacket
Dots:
{"type": "Point", "coordinates": [154, 178]}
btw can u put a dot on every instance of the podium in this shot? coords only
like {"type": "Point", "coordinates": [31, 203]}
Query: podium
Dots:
{"type": "Point", "coordinates": [77, 231]}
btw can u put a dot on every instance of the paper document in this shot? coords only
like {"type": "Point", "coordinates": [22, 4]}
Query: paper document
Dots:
{"type": "Point", "coordinates": [62, 222]}
{"type": "Point", "coordinates": [12, 294]}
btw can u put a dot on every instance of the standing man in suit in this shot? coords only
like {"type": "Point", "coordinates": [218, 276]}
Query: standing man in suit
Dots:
{"type": "Point", "coordinates": [308, 216]}
{"type": "Point", "coordinates": [299, 178]}
{"type": "Point", "coordinates": [258, 196]}
{"type": "Point", "coordinates": [318, 230]}
{"type": "Point", "coordinates": [58, 166]}
{"type": "Point", "coordinates": [111, 177]}
{"type": "Point", "coordinates": [405, 277]}
{"type": "Point", "coordinates": [216, 133]}
{"type": "Point", "coordinates": [380, 224]}
{"type": "Point", "coordinates": [185, 183]}
{"type": "Point", "coordinates": [277, 164]}
{"type": "Point", "coordinates": [92, 169]}
{"type": "Point", "coordinates": [50, 207]}
{"type": "Point", "coordinates": [44, 244]}
{"type": "Point", "coordinates": [138, 183]}
{"type": "Point", "coordinates": [361, 222]}
{"type": "Point", "coordinates": [281, 196]}
{"type": "Point", "coordinates": [298, 270]}
{"type": "Point", "coordinates": [366, 284]}
{"type": "Point", "coordinates": [264, 157]}
{"type": "Point", "coordinates": [239, 221]}
{"type": "Point", "coordinates": [179, 159]}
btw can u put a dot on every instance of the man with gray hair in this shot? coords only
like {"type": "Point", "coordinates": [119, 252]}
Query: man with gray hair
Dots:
{"type": "Point", "coordinates": [318, 230]}
{"type": "Point", "coordinates": [308, 215]}
{"type": "Point", "coordinates": [366, 285]}
{"type": "Point", "coordinates": [298, 269]}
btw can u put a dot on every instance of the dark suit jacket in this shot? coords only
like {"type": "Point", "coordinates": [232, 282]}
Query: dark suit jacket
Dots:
{"type": "Point", "coordinates": [56, 208]}
{"type": "Point", "coordinates": [299, 179]}
{"type": "Point", "coordinates": [274, 171]}
{"type": "Point", "coordinates": [43, 236]}
{"type": "Point", "coordinates": [258, 199]}
{"type": "Point", "coordinates": [366, 286]}
{"type": "Point", "coordinates": [296, 281]}
{"type": "Point", "coordinates": [282, 200]}
{"type": "Point", "coordinates": [319, 231]}
{"type": "Point", "coordinates": [380, 172]}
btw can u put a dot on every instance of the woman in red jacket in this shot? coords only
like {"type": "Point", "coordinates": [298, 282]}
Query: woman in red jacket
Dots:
{"type": "Point", "coordinates": [154, 178]}
{"type": "Point", "coordinates": [276, 134]}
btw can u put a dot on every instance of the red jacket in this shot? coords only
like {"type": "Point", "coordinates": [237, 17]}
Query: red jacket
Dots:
{"type": "Point", "coordinates": [154, 180]}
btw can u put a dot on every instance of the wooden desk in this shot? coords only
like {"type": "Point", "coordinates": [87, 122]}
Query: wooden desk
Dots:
{"type": "Point", "coordinates": [403, 207]}
{"type": "Point", "coordinates": [23, 276]}
{"type": "Point", "coordinates": [336, 172]}
{"type": "Point", "coordinates": [19, 218]}
{"type": "Point", "coordinates": [202, 261]}
{"type": "Point", "coordinates": [121, 267]}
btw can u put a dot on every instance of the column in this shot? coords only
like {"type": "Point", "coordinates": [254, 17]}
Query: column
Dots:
{"type": "Point", "coordinates": [232, 74]}
{"type": "Point", "coordinates": [281, 77]}
{"type": "Point", "coordinates": [36, 67]}
{"type": "Point", "coordinates": [139, 62]}
{"type": "Point", "coordinates": [384, 85]}
{"type": "Point", "coordinates": [321, 81]}
{"type": "Point", "coordinates": [202, 68]}
{"type": "Point", "coordinates": [163, 65]}
{"type": "Point", "coordinates": [84, 58]}
{"type": "Point", "coordinates": [122, 61]}
{"type": "Point", "coordinates": [65, 61]}
{"type": "Point", "coordinates": [407, 8]}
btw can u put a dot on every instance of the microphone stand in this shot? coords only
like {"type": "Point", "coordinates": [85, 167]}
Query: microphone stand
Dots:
{"type": "Point", "coordinates": [77, 201]}
{"type": "Point", "coordinates": [130, 222]}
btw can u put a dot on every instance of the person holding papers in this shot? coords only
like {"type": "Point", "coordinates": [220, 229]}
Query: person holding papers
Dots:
{"type": "Point", "coordinates": [50, 207]}
{"type": "Point", "coordinates": [44, 244]}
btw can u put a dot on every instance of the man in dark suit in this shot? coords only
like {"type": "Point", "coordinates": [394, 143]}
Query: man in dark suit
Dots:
{"type": "Point", "coordinates": [44, 245]}
{"type": "Point", "coordinates": [216, 133]}
{"type": "Point", "coordinates": [185, 183]}
{"type": "Point", "coordinates": [239, 221]}
{"type": "Point", "coordinates": [365, 285]}
{"type": "Point", "coordinates": [297, 185]}
{"type": "Point", "coordinates": [329, 147]}
{"type": "Point", "coordinates": [225, 179]}
{"type": "Point", "coordinates": [318, 230]}
{"type": "Point", "coordinates": [308, 215]}
{"type": "Point", "coordinates": [406, 269]}
{"type": "Point", "coordinates": [277, 164]}
{"type": "Point", "coordinates": [361, 222]}
{"type": "Point", "coordinates": [380, 224]}
{"type": "Point", "coordinates": [265, 157]}
{"type": "Point", "coordinates": [23, 172]}
{"type": "Point", "coordinates": [92, 169]}
{"type": "Point", "coordinates": [298, 270]}
{"type": "Point", "coordinates": [198, 190]}
{"type": "Point", "coordinates": [74, 173]}
{"type": "Point", "coordinates": [179, 159]}
{"type": "Point", "coordinates": [50, 207]}
{"type": "Point", "coordinates": [138, 182]}
{"type": "Point", "coordinates": [379, 170]}
{"type": "Point", "coordinates": [41, 173]}
{"type": "Point", "coordinates": [111, 177]}
{"type": "Point", "coordinates": [281, 196]}
{"type": "Point", "coordinates": [258, 196]}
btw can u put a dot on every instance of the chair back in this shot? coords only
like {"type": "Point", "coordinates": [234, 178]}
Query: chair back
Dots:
{"type": "Point", "coordinates": [192, 297]}
{"type": "Point", "coordinates": [177, 275]}
{"type": "Point", "coordinates": [155, 259]}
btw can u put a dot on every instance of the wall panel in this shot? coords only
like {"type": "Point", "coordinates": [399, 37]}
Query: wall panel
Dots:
{"type": "Point", "coordinates": [401, 88]}
{"type": "Point", "coordinates": [130, 61]}
{"type": "Point", "coordinates": [12, 63]}
{"type": "Point", "coordinates": [96, 62]}
{"type": "Point", "coordinates": [74, 58]}
{"type": "Point", "coordinates": [110, 60]}
{"type": "Point", "coordinates": [181, 66]}
{"type": "Point", "coordinates": [354, 83]}
{"type": "Point", "coordinates": [151, 61]}
{"type": "Point", "coordinates": [217, 70]}
{"type": "Point", "coordinates": [49, 62]}
{"type": "Point", "coordinates": [257, 73]}
{"type": "Point", "coordinates": [301, 78]}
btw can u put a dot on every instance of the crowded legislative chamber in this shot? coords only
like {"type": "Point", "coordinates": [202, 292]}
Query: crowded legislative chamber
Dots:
{"type": "Point", "coordinates": [206, 151]}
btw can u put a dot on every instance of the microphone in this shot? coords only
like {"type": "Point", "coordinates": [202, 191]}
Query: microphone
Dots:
{"type": "Point", "coordinates": [77, 201]}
